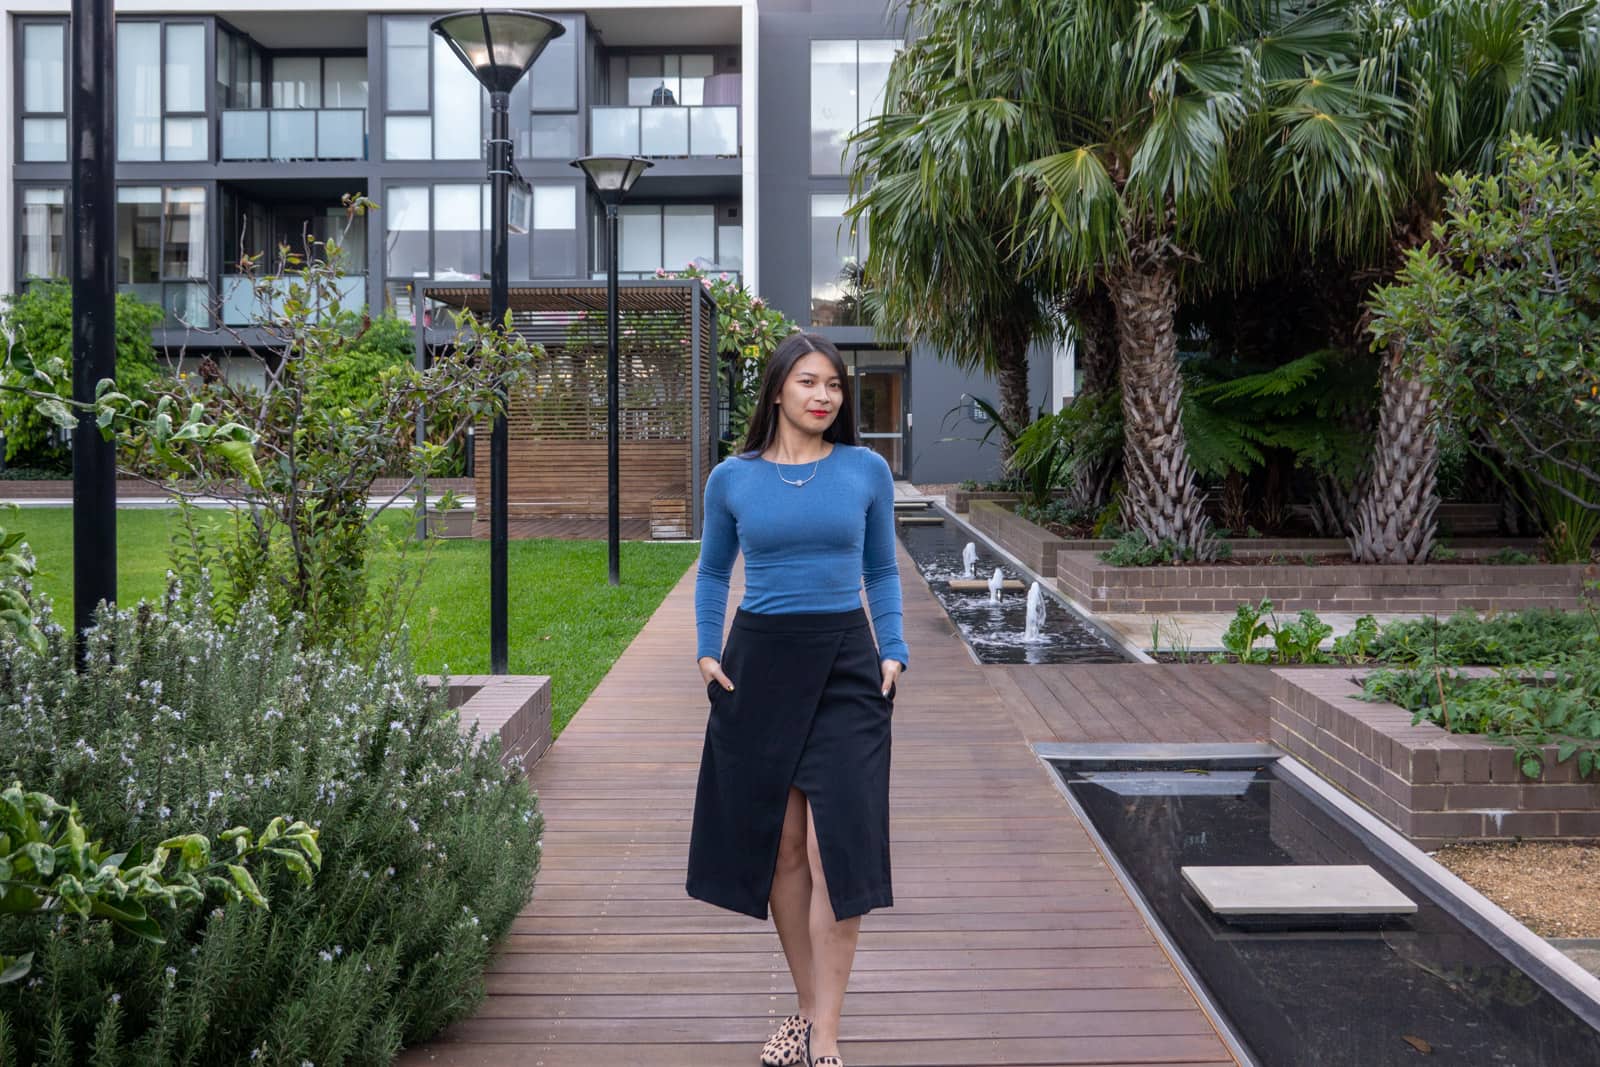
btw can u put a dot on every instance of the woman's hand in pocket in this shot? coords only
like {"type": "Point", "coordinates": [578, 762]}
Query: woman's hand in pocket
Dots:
{"type": "Point", "coordinates": [711, 671]}
{"type": "Point", "coordinates": [891, 671]}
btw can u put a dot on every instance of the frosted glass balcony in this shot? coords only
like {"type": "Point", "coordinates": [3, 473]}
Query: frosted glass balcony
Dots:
{"type": "Point", "coordinates": [294, 133]}
{"type": "Point", "coordinates": [247, 300]}
{"type": "Point", "coordinates": [664, 131]}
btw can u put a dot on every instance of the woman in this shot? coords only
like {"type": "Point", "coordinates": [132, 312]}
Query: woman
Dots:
{"type": "Point", "coordinates": [792, 808]}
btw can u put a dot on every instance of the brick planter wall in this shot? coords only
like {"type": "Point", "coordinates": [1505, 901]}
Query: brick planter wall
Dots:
{"type": "Point", "coordinates": [1432, 786]}
{"type": "Point", "coordinates": [1035, 546]}
{"type": "Point", "coordinates": [514, 707]}
{"type": "Point", "coordinates": [1441, 587]}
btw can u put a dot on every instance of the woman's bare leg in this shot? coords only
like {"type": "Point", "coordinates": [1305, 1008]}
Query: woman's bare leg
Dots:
{"type": "Point", "coordinates": [790, 899]}
{"type": "Point", "coordinates": [833, 951]}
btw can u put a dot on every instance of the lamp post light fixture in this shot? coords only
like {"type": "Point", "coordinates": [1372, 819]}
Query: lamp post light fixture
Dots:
{"type": "Point", "coordinates": [94, 294]}
{"type": "Point", "coordinates": [498, 47]}
{"type": "Point", "coordinates": [610, 178]}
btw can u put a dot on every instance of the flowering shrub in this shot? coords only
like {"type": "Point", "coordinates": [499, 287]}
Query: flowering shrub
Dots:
{"type": "Point", "coordinates": [179, 723]}
{"type": "Point", "coordinates": [48, 863]}
{"type": "Point", "coordinates": [748, 331]}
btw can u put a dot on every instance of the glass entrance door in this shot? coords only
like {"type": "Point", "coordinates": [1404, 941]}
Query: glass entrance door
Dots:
{"type": "Point", "coordinates": [880, 405]}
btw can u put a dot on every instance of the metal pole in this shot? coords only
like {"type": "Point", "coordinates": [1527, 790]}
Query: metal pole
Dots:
{"type": "Point", "coordinates": [499, 442]}
{"type": "Point", "coordinates": [94, 304]}
{"type": "Point", "coordinates": [613, 493]}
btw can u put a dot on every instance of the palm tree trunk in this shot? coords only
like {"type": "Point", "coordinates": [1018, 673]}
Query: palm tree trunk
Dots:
{"type": "Point", "coordinates": [1011, 367]}
{"type": "Point", "coordinates": [1095, 322]}
{"type": "Point", "coordinates": [1162, 499]}
{"type": "Point", "coordinates": [1095, 336]}
{"type": "Point", "coordinates": [1396, 515]}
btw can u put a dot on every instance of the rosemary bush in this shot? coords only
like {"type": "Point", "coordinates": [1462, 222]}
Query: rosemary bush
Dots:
{"type": "Point", "coordinates": [181, 723]}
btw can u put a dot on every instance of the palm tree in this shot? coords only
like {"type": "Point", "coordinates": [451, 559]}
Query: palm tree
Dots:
{"type": "Point", "coordinates": [1159, 115]}
{"type": "Point", "coordinates": [929, 180]}
{"type": "Point", "coordinates": [1469, 74]}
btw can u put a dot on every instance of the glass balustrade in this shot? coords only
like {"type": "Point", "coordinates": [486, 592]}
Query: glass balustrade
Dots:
{"type": "Point", "coordinates": [294, 133]}
{"type": "Point", "coordinates": [664, 131]}
{"type": "Point", "coordinates": [246, 300]}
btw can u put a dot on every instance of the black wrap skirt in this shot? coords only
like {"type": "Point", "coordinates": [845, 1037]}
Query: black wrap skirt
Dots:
{"type": "Point", "coordinates": [807, 710]}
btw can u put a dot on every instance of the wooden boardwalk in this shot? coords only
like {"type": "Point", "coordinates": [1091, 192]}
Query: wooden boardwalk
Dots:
{"type": "Point", "coordinates": [1009, 943]}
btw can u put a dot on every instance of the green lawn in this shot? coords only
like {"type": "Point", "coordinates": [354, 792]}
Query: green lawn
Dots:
{"type": "Point", "coordinates": [566, 621]}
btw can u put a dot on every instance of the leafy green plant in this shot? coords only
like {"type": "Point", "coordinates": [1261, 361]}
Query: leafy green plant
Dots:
{"type": "Point", "coordinates": [1301, 641]}
{"type": "Point", "coordinates": [1558, 705]}
{"type": "Point", "coordinates": [37, 324]}
{"type": "Point", "coordinates": [1248, 626]}
{"type": "Point", "coordinates": [748, 330]}
{"type": "Point", "coordinates": [1510, 557]}
{"type": "Point", "coordinates": [302, 531]}
{"type": "Point", "coordinates": [1499, 312]}
{"type": "Point", "coordinates": [16, 607]}
{"type": "Point", "coordinates": [180, 724]}
{"type": "Point", "coordinates": [1057, 512]}
{"type": "Point", "coordinates": [1356, 644]}
{"type": "Point", "coordinates": [1443, 554]}
{"type": "Point", "coordinates": [1506, 639]}
{"type": "Point", "coordinates": [1133, 550]}
{"type": "Point", "coordinates": [49, 865]}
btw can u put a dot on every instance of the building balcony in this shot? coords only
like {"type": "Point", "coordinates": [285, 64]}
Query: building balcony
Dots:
{"type": "Point", "coordinates": [693, 132]}
{"type": "Point", "coordinates": [294, 133]}
{"type": "Point", "coordinates": [247, 300]}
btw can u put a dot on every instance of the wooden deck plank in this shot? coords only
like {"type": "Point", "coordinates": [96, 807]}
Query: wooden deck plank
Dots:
{"type": "Point", "coordinates": [1010, 942]}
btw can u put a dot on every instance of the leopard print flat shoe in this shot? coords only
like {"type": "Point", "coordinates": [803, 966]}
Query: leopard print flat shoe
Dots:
{"type": "Point", "coordinates": [827, 1061]}
{"type": "Point", "coordinates": [787, 1047]}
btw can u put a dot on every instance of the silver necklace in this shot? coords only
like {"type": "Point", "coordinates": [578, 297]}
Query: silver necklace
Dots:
{"type": "Point", "coordinates": [802, 481]}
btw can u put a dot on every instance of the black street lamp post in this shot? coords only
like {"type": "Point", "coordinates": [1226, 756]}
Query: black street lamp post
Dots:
{"type": "Point", "coordinates": [94, 304]}
{"type": "Point", "coordinates": [610, 177]}
{"type": "Point", "coordinates": [498, 47]}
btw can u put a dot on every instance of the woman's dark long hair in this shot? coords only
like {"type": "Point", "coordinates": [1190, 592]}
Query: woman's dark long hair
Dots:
{"type": "Point", "coordinates": [764, 419]}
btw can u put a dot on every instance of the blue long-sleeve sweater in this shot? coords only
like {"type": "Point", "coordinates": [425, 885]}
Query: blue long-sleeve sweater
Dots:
{"type": "Point", "coordinates": [806, 549]}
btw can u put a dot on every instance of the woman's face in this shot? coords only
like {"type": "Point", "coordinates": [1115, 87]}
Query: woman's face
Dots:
{"type": "Point", "coordinates": [812, 395]}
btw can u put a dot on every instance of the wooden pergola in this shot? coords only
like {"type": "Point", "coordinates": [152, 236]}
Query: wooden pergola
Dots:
{"type": "Point", "coordinates": [667, 388]}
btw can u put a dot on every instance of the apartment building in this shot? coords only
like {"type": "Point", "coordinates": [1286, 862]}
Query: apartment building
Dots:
{"type": "Point", "coordinates": [241, 124]}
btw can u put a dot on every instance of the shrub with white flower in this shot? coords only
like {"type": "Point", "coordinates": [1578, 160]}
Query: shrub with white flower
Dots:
{"type": "Point", "coordinates": [347, 970]}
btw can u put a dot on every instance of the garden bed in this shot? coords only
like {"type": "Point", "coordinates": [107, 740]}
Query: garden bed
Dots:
{"type": "Point", "coordinates": [1445, 588]}
{"type": "Point", "coordinates": [1553, 888]}
{"type": "Point", "coordinates": [1435, 787]}
{"type": "Point", "coordinates": [1468, 583]}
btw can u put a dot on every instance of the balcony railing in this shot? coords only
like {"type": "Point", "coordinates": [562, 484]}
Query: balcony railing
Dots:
{"type": "Point", "coordinates": [246, 300]}
{"type": "Point", "coordinates": [664, 131]}
{"type": "Point", "coordinates": [294, 133]}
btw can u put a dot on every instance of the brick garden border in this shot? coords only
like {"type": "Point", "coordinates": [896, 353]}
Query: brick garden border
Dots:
{"type": "Point", "coordinates": [1437, 587]}
{"type": "Point", "coordinates": [514, 707]}
{"type": "Point", "coordinates": [1432, 786]}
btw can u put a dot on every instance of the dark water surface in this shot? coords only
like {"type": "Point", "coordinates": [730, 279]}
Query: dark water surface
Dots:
{"type": "Point", "coordinates": [1330, 998]}
{"type": "Point", "coordinates": [995, 630]}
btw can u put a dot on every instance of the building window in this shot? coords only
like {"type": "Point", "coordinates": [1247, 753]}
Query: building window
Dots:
{"type": "Point", "coordinates": [161, 91]}
{"type": "Point", "coordinates": [43, 229]}
{"type": "Point", "coordinates": [652, 237]}
{"type": "Point", "coordinates": [44, 92]}
{"type": "Point", "coordinates": [553, 79]}
{"type": "Point", "coordinates": [666, 80]}
{"type": "Point", "coordinates": [408, 127]}
{"type": "Point", "coordinates": [457, 107]}
{"type": "Point", "coordinates": [161, 249]}
{"type": "Point", "coordinates": [847, 82]}
{"type": "Point", "coordinates": [549, 137]}
{"type": "Point", "coordinates": [441, 231]}
{"type": "Point", "coordinates": [239, 66]}
{"type": "Point", "coordinates": [434, 106]}
{"type": "Point", "coordinates": [836, 258]}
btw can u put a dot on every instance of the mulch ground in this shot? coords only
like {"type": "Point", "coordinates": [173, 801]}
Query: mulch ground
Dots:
{"type": "Point", "coordinates": [1553, 888]}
